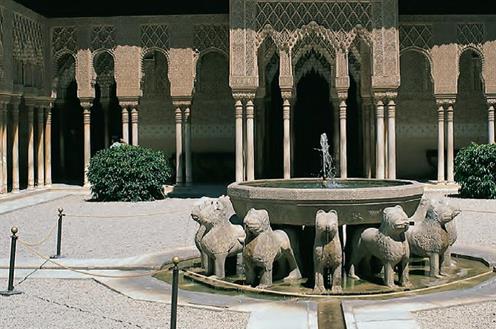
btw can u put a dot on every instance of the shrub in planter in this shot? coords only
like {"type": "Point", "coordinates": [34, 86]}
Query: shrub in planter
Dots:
{"type": "Point", "coordinates": [128, 173]}
{"type": "Point", "coordinates": [475, 171]}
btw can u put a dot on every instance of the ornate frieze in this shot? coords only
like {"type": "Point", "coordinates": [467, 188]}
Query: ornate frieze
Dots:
{"type": "Point", "coordinates": [155, 36]}
{"type": "Point", "coordinates": [415, 36]}
{"type": "Point", "coordinates": [472, 34]}
{"type": "Point", "coordinates": [211, 36]}
{"type": "Point", "coordinates": [64, 39]}
{"type": "Point", "coordinates": [335, 15]}
{"type": "Point", "coordinates": [28, 40]}
{"type": "Point", "coordinates": [102, 37]}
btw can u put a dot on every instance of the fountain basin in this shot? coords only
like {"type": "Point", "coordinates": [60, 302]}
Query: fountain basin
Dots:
{"type": "Point", "coordinates": [296, 201]}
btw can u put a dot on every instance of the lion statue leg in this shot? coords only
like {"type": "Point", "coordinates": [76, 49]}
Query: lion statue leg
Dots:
{"type": "Point", "coordinates": [404, 273]}
{"type": "Point", "coordinates": [389, 275]}
{"type": "Point", "coordinates": [294, 271]}
{"type": "Point", "coordinates": [434, 265]}
{"type": "Point", "coordinates": [266, 276]}
{"type": "Point", "coordinates": [319, 287]}
{"type": "Point", "coordinates": [220, 265]}
{"type": "Point", "coordinates": [250, 274]}
{"type": "Point", "coordinates": [336, 280]}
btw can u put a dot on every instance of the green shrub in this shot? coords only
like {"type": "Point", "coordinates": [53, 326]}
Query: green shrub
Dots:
{"type": "Point", "coordinates": [475, 171]}
{"type": "Point", "coordinates": [128, 173]}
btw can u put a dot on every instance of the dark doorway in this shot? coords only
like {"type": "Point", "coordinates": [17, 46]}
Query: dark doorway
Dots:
{"type": "Point", "coordinates": [354, 132]}
{"type": "Point", "coordinates": [312, 117]}
{"type": "Point", "coordinates": [68, 139]}
{"type": "Point", "coordinates": [273, 141]}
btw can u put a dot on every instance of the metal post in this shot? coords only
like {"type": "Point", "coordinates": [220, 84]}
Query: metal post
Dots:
{"type": "Point", "coordinates": [175, 283]}
{"type": "Point", "coordinates": [59, 232]}
{"type": "Point", "coordinates": [10, 289]}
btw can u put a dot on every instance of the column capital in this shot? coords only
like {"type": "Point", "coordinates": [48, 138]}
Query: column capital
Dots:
{"type": "Point", "coordinates": [244, 95]}
{"type": "Point", "coordinates": [385, 95]}
{"type": "Point", "coordinates": [380, 109]}
{"type": "Point", "coordinates": [86, 103]}
{"type": "Point", "coordinates": [445, 100]}
{"type": "Point", "coordinates": [491, 102]}
{"type": "Point", "coordinates": [287, 94]}
{"type": "Point", "coordinates": [181, 102]}
{"type": "Point", "coordinates": [391, 108]}
{"type": "Point", "coordinates": [187, 113]}
{"type": "Point", "coordinates": [179, 115]}
{"type": "Point", "coordinates": [250, 109]}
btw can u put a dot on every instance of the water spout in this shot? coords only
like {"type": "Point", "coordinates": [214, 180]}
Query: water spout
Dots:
{"type": "Point", "coordinates": [328, 172]}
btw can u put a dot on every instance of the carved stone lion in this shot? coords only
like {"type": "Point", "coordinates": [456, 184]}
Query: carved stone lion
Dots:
{"type": "Point", "coordinates": [388, 244]}
{"type": "Point", "coordinates": [430, 237]}
{"type": "Point", "coordinates": [264, 247]}
{"type": "Point", "coordinates": [327, 251]}
{"type": "Point", "coordinates": [217, 238]}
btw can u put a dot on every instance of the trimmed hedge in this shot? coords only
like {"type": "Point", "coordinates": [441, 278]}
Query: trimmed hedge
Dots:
{"type": "Point", "coordinates": [128, 173]}
{"type": "Point", "coordinates": [475, 171]}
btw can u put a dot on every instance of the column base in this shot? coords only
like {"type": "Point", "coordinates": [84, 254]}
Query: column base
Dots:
{"type": "Point", "coordinates": [10, 293]}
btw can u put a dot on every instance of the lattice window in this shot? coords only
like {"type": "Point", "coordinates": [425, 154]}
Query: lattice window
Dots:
{"type": "Point", "coordinates": [470, 34]}
{"type": "Point", "coordinates": [419, 36]}
{"type": "Point", "coordinates": [335, 16]}
{"type": "Point", "coordinates": [155, 36]}
{"type": "Point", "coordinates": [102, 37]}
{"type": "Point", "coordinates": [207, 36]}
{"type": "Point", "coordinates": [64, 38]}
{"type": "Point", "coordinates": [28, 40]}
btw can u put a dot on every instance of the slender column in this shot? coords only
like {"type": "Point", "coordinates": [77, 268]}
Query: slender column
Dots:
{"type": "Point", "coordinates": [286, 113]}
{"type": "Point", "coordinates": [372, 141]}
{"type": "Point", "coordinates": [379, 166]}
{"type": "Point", "coordinates": [87, 140]}
{"type": "Point", "coordinates": [40, 141]}
{"type": "Point", "coordinates": [4, 147]}
{"type": "Point", "coordinates": [134, 124]}
{"type": "Point", "coordinates": [386, 138]}
{"type": "Point", "coordinates": [179, 146]}
{"type": "Point", "coordinates": [125, 124]}
{"type": "Point", "coordinates": [335, 137]}
{"type": "Point", "coordinates": [239, 141]}
{"type": "Point", "coordinates": [366, 142]}
{"type": "Point", "coordinates": [343, 158]}
{"type": "Point", "coordinates": [391, 140]}
{"type": "Point", "coordinates": [30, 148]}
{"type": "Point", "coordinates": [48, 147]}
{"type": "Point", "coordinates": [3, 163]}
{"type": "Point", "coordinates": [15, 147]}
{"type": "Point", "coordinates": [250, 142]}
{"type": "Point", "coordinates": [490, 121]}
{"type": "Point", "coordinates": [187, 145]}
{"type": "Point", "coordinates": [451, 145]}
{"type": "Point", "coordinates": [440, 144]}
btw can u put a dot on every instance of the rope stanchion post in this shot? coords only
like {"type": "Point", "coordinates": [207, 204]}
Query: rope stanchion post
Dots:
{"type": "Point", "coordinates": [59, 233]}
{"type": "Point", "coordinates": [10, 289]}
{"type": "Point", "coordinates": [175, 284]}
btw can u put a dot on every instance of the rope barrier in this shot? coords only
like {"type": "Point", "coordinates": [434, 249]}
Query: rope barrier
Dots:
{"type": "Point", "coordinates": [50, 233]}
{"type": "Point", "coordinates": [48, 259]}
{"type": "Point", "coordinates": [125, 216]}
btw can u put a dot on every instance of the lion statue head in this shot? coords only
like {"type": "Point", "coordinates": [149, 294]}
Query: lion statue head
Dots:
{"type": "Point", "coordinates": [394, 221]}
{"type": "Point", "coordinates": [326, 223]}
{"type": "Point", "coordinates": [256, 222]}
{"type": "Point", "coordinates": [209, 211]}
{"type": "Point", "coordinates": [440, 211]}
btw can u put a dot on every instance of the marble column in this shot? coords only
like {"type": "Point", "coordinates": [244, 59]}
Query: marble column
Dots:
{"type": "Point", "coordinates": [391, 139]}
{"type": "Point", "coordinates": [250, 141]}
{"type": "Point", "coordinates": [379, 165]}
{"type": "Point", "coordinates": [87, 139]}
{"type": "Point", "coordinates": [239, 141]}
{"type": "Point", "coordinates": [125, 124]}
{"type": "Point", "coordinates": [15, 147]}
{"type": "Point", "coordinates": [40, 142]}
{"type": "Point", "coordinates": [179, 146]}
{"type": "Point", "coordinates": [3, 142]}
{"type": "Point", "coordinates": [286, 114]}
{"type": "Point", "coordinates": [440, 144]}
{"type": "Point", "coordinates": [451, 144]}
{"type": "Point", "coordinates": [335, 134]}
{"type": "Point", "coordinates": [134, 125]}
{"type": "Point", "coordinates": [30, 147]}
{"type": "Point", "coordinates": [48, 146]}
{"type": "Point", "coordinates": [3, 157]}
{"type": "Point", "coordinates": [187, 145]}
{"type": "Point", "coordinates": [343, 156]}
{"type": "Point", "coordinates": [490, 122]}
{"type": "Point", "coordinates": [366, 141]}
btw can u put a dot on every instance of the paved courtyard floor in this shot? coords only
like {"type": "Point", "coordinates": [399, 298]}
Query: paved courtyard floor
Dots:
{"type": "Point", "coordinates": [97, 235]}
